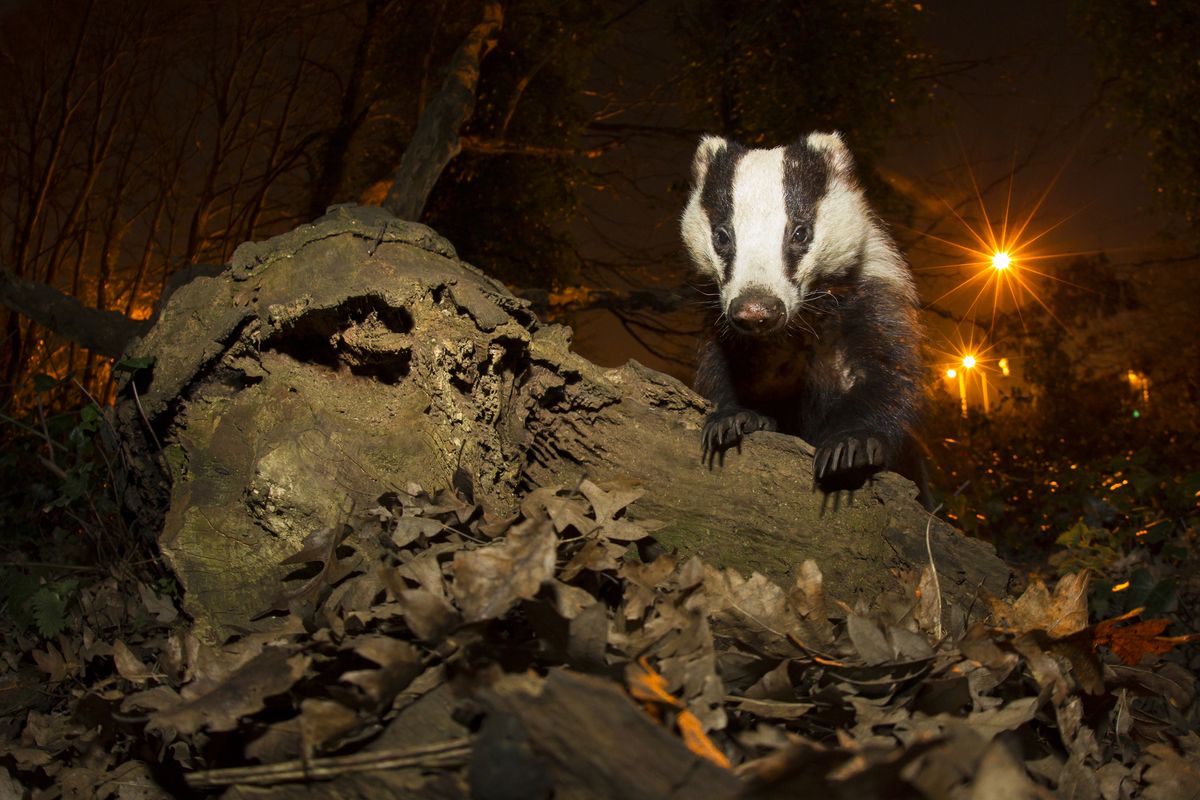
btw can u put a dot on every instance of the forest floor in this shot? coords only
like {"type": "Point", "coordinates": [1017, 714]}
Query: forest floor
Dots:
{"type": "Point", "coordinates": [540, 656]}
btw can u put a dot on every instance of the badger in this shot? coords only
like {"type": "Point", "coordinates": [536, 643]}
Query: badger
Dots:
{"type": "Point", "coordinates": [816, 331]}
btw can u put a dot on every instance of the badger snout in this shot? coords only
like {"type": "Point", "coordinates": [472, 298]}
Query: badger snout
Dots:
{"type": "Point", "coordinates": [757, 312]}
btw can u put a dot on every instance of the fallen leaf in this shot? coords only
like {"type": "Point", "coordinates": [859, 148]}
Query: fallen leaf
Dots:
{"type": "Point", "coordinates": [1001, 776]}
{"type": "Point", "coordinates": [161, 606]}
{"type": "Point", "coordinates": [242, 693]}
{"type": "Point", "coordinates": [1132, 643]}
{"type": "Point", "coordinates": [399, 662]}
{"type": "Point", "coordinates": [868, 639]}
{"type": "Point", "coordinates": [51, 662]}
{"type": "Point", "coordinates": [405, 530]}
{"type": "Point", "coordinates": [323, 721]}
{"type": "Point", "coordinates": [129, 666]}
{"type": "Point", "coordinates": [491, 580]}
{"type": "Point", "coordinates": [1171, 775]}
{"type": "Point", "coordinates": [1059, 614]}
{"type": "Point", "coordinates": [612, 498]}
{"type": "Point", "coordinates": [428, 616]}
{"type": "Point", "coordinates": [650, 687]}
{"type": "Point", "coordinates": [752, 610]}
{"type": "Point", "coordinates": [808, 599]}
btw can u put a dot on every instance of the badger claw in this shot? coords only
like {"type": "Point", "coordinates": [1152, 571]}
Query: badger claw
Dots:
{"type": "Point", "coordinates": [725, 428]}
{"type": "Point", "coordinates": [860, 451]}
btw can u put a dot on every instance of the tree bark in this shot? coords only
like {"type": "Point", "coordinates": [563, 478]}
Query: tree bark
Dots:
{"type": "Point", "coordinates": [436, 140]}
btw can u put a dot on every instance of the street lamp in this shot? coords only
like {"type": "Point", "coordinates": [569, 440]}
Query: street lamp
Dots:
{"type": "Point", "coordinates": [969, 363]}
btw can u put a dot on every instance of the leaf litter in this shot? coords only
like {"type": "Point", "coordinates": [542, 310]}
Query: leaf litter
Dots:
{"type": "Point", "coordinates": [433, 650]}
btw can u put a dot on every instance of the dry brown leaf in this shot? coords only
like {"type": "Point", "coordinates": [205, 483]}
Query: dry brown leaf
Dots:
{"type": "Point", "coordinates": [1059, 614]}
{"type": "Point", "coordinates": [428, 616]}
{"type": "Point", "coordinates": [405, 530]}
{"type": "Point", "coordinates": [868, 639]}
{"type": "Point", "coordinates": [221, 707]}
{"type": "Point", "coordinates": [51, 662]}
{"type": "Point", "coordinates": [129, 666]}
{"type": "Point", "coordinates": [752, 610]}
{"type": "Point", "coordinates": [322, 721]}
{"type": "Point", "coordinates": [773, 709]}
{"type": "Point", "coordinates": [491, 580]}
{"type": "Point", "coordinates": [1132, 643]}
{"type": "Point", "coordinates": [399, 662]}
{"type": "Point", "coordinates": [1001, 776]}
{"type": "Point", "coordinates": [1172, 775]}
{"type": "Point", "coordinates": [610, 499]}
{"type": "Point", "coordinates": [808, 599]}
{"type": "Point", "coordinates": [564, 512]}
{"type": "Point", "coordinates": [569, 600]}
{"type": "Point", "coordinates": [161, 606]}
{"type": "Point", "coordinates": [650, 688]}
{"type": "Point", "coordinates": [596, 555]}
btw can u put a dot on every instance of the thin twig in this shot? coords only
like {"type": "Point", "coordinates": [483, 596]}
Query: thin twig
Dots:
{"type": "Point", "coordinates": [937, 583]}
{"type": "Point", "coordinates": [46, 433]}
{"type": "Point", "coordinates": [162, 458]}
{"type": "Point", "coordinates": [30, 429]}
{"type": "Point", "coordinates": [443, 754]}
{"type": "Point", "coordinates": [107, 422]}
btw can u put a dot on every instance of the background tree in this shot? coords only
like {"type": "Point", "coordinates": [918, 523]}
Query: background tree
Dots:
{"type": "Point", "coordinates": [1146, 53]}
{"type": "Point", "coordinates": [765, 72]}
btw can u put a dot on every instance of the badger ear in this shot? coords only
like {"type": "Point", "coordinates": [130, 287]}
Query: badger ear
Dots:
{"type": "Point", "coordinates": [837, 155]}
{"type": "Point", "coordinates": [708, 148]}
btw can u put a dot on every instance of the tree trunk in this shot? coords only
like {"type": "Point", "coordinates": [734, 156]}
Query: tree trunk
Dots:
{"type": "Point", "coordinates": [436, 139]}
{"type": "Point", "coordinates": [353, 356]}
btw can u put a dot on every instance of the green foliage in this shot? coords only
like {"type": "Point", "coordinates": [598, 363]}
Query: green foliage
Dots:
{"type": "Point", "coordinates": [59, 482]}
{"type": "Point", "coordinates": [37, 603]}
{"type": "Point", "coordinates": [1149, 50]}
{"type": "Point", "coordinates": [1131, 517]}
{"type": "Point", "coordinates": [48, 606]}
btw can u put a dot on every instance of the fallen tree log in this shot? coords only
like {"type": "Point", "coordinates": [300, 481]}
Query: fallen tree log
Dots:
{"type": "Point", "coordinates": [356, 355]}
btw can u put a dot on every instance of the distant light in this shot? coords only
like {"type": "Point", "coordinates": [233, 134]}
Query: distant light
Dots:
{"type": "Point", "coordinates": [1004, 366]}
{"type": "Point", "coordinates": [1001, 260]}
{"type": "Point", "coordinates": [951, 373]}
{"type": "Point", "coordinates": [1137, 414]}
{"type": "Point", "coordinates": [968, 361]}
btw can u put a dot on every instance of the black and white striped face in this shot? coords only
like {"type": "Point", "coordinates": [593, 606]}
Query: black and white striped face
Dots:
{"type": "Point", "coordinates": [768, 225]}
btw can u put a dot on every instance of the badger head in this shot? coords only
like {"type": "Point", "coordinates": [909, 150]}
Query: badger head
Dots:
{"type": "Point", "coordinates": [772, 228]}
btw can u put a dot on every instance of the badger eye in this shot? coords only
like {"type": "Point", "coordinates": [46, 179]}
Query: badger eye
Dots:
{"type": "Point", "coordinates": [801, 234]}
{"type": "Point", "coordinates": [721, 236]}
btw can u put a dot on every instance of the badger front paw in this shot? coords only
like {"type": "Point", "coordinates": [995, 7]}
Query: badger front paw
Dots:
{"type": "Point", "coordinates": [860, 452]}
{"type": "Point", "coordinates": [725, 428]}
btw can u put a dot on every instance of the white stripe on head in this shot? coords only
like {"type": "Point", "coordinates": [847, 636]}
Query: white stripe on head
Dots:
{"type": "Point", "coordinates": [760, 223]}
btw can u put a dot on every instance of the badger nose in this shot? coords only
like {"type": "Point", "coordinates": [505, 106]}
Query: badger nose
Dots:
{"type": "Point", "coordinates": [757, 312]}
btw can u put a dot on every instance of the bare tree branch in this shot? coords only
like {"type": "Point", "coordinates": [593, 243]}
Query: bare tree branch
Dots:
{"type": "Point", "coordinates": [436, 140]}
{"type": "Point", "coordinates": [104, 332]}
